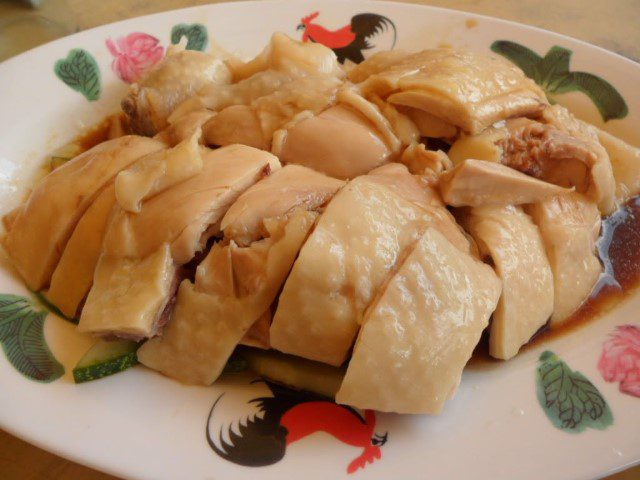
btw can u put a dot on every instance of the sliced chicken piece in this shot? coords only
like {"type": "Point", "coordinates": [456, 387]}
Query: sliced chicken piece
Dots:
{"type": "Point", "coordinates": [560, 157]}
{"type": "Point", "coordinates": [354, 245]}
{"type": "Point", "coordinates": [287, 55]}
{"type": "Point", "coordinates": [234, 286]}
{"type": "Point", "coordinates": [73, 277]}
{"type": "Point", "coordinates": [183, 217]}
{"type": "Point", "coordinates": [255, 124]}
{"type": "Point", "coordinates": [157, 172]}
{"type": "Point", "coordinates": [215, 97]}
{"type": "Point", "coordinates": [509, 238]}
{"type": "Point", "coordinates": [43, 225]}
{"type": "Point", "coordinates": [420, 330]}
{"type": "Point", "coordinates": [291, 187]}
{"type": "Point", "coordinates": [129, 295]}
{"type": "Point", "coordinates": [625, 161]}
{"type": "Point", "coordinates": [462, 88]}
{"type": "Point", "coordinates": [339, 142]}
{"type": "Point", "coordinates": [570, 226]}
{"type": "Point", "coordinates": [474, 183]}
{"type": "Point", "coordinates": [174, 79]}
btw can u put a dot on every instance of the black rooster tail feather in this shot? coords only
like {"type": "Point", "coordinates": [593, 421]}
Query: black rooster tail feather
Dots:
{"type": "Point", "coordinates": [261, 441]}
{"type": "Point", "coordinates": [365, 25]}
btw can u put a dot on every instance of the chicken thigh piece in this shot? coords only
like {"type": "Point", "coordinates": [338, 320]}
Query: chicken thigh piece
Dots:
{"type": "Point", "coordinates": [512, 242]}
{"type": "Point", "coordinates": [459, 87]}
{"type": "Point", "coordinates": [420, 330]}
{"type": "Point", "coordinates": [355, 244]}
{"type": "Point", "coordinates": [238, 281]}
{"type": "Point", "coordinates": [570, 226]}
{"type": "Point", "coordinates": [44, 223]}
{"type": "Point", "coordinates": [174, 79]}
{"type": "Point", "coordinates": [144, 249]}
{"type": "Point", "coordinates": [567, 156]}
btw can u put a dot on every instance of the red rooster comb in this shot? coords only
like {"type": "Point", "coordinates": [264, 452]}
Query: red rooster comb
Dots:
{"type": "Point", "coordinates": [309, 18]}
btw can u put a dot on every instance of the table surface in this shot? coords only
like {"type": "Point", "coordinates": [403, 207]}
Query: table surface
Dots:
{"type": "Point", "coordinates": [22, 28]}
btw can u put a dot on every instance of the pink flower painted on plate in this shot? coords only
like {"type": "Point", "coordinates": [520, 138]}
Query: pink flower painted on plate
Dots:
{"type": "Point", "coordinates": [620, 359]}
{"type": "Point", "coordinates": [134, 55]}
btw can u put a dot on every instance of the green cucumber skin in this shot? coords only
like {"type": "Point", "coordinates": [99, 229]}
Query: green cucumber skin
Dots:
{"type": "Point", "coordinates": [104, 369]}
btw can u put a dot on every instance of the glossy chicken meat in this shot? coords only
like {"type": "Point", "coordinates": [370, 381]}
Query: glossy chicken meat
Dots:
{"type": "Point", "coordinates": [570, 226]}
{"type": "Point", "coordinates": [46, 221]}
{"type": "Point", "coordinates": [376, 218]}
{"type": "Point", "coordinates": [556, 153]}
{"type": "Point", "coordinates": [289, 188]}
{"type": "Point", "coordinates": [474, 183]}
{"type": "Point", "coordinates": [468, 90]}
{"type": "Point", "coordinates": [177, 77]}
{"type": "Point", "coordinates": [233, 288]}
{"type": "Point", "coordinates": [73, 277]}
{"type": "Point", "coordinates": [240, 277]}
{"type": "Point", "coordinates": [355, 244]}
{"type": "Point", "coordinates": [339, 142]}
{"type": "Point", "coordinates": [509, 240]}
{"type": "Point", "coordinates": [170, 228]}
{"type": "Point", "coordinates": [419, 332]}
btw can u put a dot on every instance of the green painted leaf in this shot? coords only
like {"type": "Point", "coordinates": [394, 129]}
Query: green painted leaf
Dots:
{"type": "Point", "coordinates": [80, 72]}
{"type": "Point", "coordinates": [196, 34]}
{"type": "Point", "coordinates": [22, 339]}
{"type": "Point", "coordinates": [554, 66]}
{"type": "Point", "coordinates": [569, 399]}
{"type": "Point", "coordinates": [605, 97]}
{"type": "Point", "coordinates": [552, 73]}
{"type": "Point", "coordinates": [523, 57]}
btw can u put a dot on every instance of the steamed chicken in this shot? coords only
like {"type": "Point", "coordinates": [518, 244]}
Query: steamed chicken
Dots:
{"type": "Point", "coordinates": [376, 218]}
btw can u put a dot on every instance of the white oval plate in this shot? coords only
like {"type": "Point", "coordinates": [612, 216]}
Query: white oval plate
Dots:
{"type": "Point", "coordinates": [141, 425]}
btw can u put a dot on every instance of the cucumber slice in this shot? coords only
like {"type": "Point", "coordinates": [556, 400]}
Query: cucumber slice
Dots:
{"type": "Point", "coordinates": [105, 358]}
{"type": "Point", "coordinates": [294, 372]}
{"type": "Point", "coordinates": [236, 364]}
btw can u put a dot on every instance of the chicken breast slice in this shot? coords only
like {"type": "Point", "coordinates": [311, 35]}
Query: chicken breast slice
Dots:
{"type": "Point", "coordinates": [183, 217]}
{"type": "Point", "coordinates": [234, 286]}
{"type": "Point", "coordinates": [474, 183]}
{"type": "Point", "coordinates": [462, 88]}
{"type": "Point", "coordinates": [73, 277]}
{"type": "Point", "coordinates": [354, 245]}
{"type": "Point", "coordinates": [174, 79]}
{"type": "Point", "coordinates": [507, 236]}
{"type": "Point", "coordinates": [42, 227]}
{"type": "Point", "coordinates": [421, 329]}
{"type": "Point", "coordinates": [570, 226]}
{"type": "Point", "coordinates": [291, 187]}
{"type": "Point", "coordinates": [339, 142]}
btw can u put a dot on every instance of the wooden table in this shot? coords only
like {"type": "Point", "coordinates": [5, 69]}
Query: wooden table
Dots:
{"type": "Point", "coordinates": [582, 19]}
